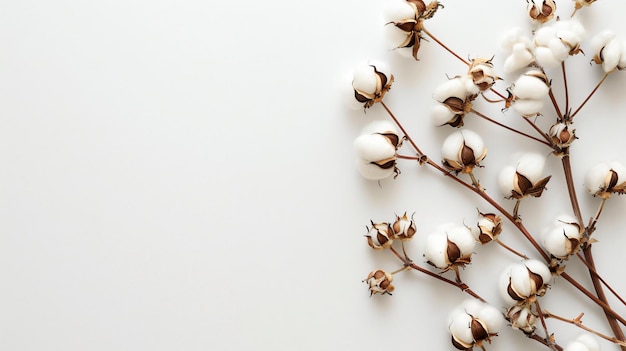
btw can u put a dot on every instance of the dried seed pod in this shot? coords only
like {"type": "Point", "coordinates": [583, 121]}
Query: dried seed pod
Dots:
{"type": "Point", "coordinates": [605, 179]}
{"type": "Point", "coordinates": [525, 179]}
{"type": "Point", "coordinates": [522, 318]}
{"type": "Point", "coordinates": [522, 282]}
{"type": "Point", "coordinates": [404, 227]}
{"type": "Point", "coordinates": [379, 282]}
{"type": "Point", "coordinates": [562, 239]}
{"type": "Point", "coordinates": [379, 236]}
{"type": "Point", "coordinates": [371, 83]}
{"type": "Point", "coordinates": [449, 246]}
{"type": "Point", "coordinates": [462, 151]}
{"type": "Point", "coordinates": [488, 228]}
{"type": "Point", "coordinates": [561, 135]}
{"type": "Point", "coordinates": [482, 73]}
{"type": "Point", "coordinates": [541, 11]}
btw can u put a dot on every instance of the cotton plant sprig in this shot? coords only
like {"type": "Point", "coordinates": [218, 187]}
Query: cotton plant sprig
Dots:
{"type": "Point", "coordinates": [450, 247]}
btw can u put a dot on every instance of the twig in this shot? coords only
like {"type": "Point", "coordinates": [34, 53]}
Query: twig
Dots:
{"type": "Point", "coordinates": [590, 94]}
{"type": "Point", "coordinates": [509, 128]}
{"type": "Point", "coordinates": [579, 323]}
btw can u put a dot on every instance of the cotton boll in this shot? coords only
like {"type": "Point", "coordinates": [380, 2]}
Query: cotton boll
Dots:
{"type": "Point", "coordinates": [544, 35]}
{"type": "Point", "coordinates": [506, 180]}
{"type": "Point", "coordinates": [601, 39]}
{"type": "Point", "coordinates": [374, 147]}
{"type": "Point", "coordinates": [540, 268]}
{"type": "Point", "coordinates": [372, 171]}
{"type": "Point", "coordinates": [622, 59]}
{"type": "Point", "coordinates": [611, 54]}
{"type": "Point", "coordinates": [394, 36]}
{"type": "Point", "coordinates": [364, 79]}
{"type": "Point", "coordinates": [491, 316]}
{"type": "Point", "coordinates": [397, 10]}
{"type": "Point", "coordinates": [440, 115]}
{"type": "Point", "coordinates": [531, 166]}
{"type": "Point", "coordinates": [436, 245]}
{"type": "Point", "coordinates": [528, 86]}
{"type": "Point", "coordinates": [474, 141]}
{"type": "Point", "coordinates": [471, 307]}
{"type": "Point", "coordinates": [512, 37]}
{"type": "Point", "coordinates": [620, 170]}
{"type": "Point", "coordinates": [520, 281]}
{"type": "Point", "coordinates": [463, 238]}
{"type": "Point", "coordinates": [380, 126]}
{"type": "Point", "coordinates": [520, 57]}
{"type": "Point", "coordinates": [576, 346]}
{"type": "Point", "coordinates": [455, 87]}
{"type": "Point", "coordinates": [595, 178]}
{"type": "Point", "coordinates": [546, 58]}
{"type": "Point", "coordinates": [503, 284]}
{"type": "Point", "coordinates": [527, 108]}
{"type": "Point", "coordinates": [559, 49]}
{"type": "Point", "coordinates": [590, 341]}
{"type": "Point", "coordinates": [451, 146]}
{"type": "Point", "coordinates": [460, 327]}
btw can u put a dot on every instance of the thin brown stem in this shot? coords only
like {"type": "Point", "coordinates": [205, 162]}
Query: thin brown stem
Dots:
{"type": "Point", "coordinates": [579, 323]}
{"type": "Point", "coordinates": [542, 318]}
{"type": "Point", "coordinates": [536, 127]}
{"type": "Point", "coordinates": [593, 270]}
{"type": "Point", "coordinates": [444, 46]}
{"type": "Point", "coordinates": [509, 128]}
{"type": "Point", "coordinates": [464, 287]}
{"type": "Point", "coordinates": [514, 220]}
{"type": "Point", "coordinates": [510, 249]}
{"type": "Point", "coordinates": [595, 299]}
{"type": "Point", "coordinates": [565, 88]}
{"type": "Point", "coordinates": [571, 188]}
{"type": "Point", "coordinates": [597, 285]}
{"type": "Point", "coordinates": [545, 341]}
{"type": "Point", "coordinates": [590, 95]}
{"type": "Point", "coordinates": [516, 210]}
{"type": "Point", "coordinates": [592, 226]}
{"type": "Point", "coordinates": [555, 104]}
{"type": "Point", "coordinates": [406, 135]}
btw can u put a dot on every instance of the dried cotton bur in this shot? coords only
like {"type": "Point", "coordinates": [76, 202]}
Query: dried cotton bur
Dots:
{"type": "Point", "coordinates": [534, 59]}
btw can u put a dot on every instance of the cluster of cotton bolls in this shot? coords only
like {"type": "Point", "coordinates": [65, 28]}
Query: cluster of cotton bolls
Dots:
{"type": "Point", "coordinates": [381, 234]}
{"type": "Point", "coordinates": [551, 45]}
{"type": "Point", "coordinates": [473, 323]}
{"type": "Point", "coordinates": [376, 148]}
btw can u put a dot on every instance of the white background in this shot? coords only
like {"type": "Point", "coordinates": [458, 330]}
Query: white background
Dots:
{"type": "Point", "coordinates": [179, 175]}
